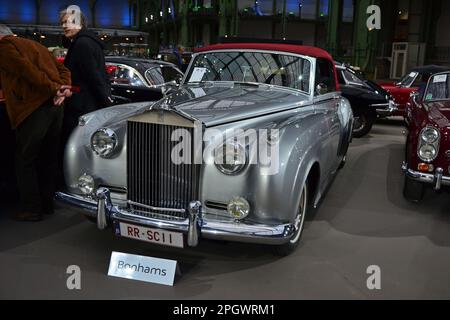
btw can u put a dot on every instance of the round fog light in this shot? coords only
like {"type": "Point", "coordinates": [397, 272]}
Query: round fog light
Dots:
{"type": "Point", "coordinates": [239, 208]}
{"type": "Point", "coordinates": [86, 184]}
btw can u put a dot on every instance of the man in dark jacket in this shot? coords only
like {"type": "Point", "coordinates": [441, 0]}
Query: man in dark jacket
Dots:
{"type": "Point", "coordinates": [86, 61]}
{"type": "Point", "coordinates": [35, 86]}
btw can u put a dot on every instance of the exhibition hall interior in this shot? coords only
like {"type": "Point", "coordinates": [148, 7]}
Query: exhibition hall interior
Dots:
{"type": "Point", "coordinates": [225, 150]}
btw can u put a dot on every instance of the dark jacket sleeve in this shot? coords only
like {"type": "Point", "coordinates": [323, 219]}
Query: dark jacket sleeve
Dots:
{"type": "Point", "coordinates": [12, 61]}
{"type": "Point", "coordinates": [93, 75]}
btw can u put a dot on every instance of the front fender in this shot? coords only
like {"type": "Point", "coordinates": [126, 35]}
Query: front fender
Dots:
{"type": "Point", "coordinates": [80, 159]}
{"type": "Point", "coordinates": [273, 198]}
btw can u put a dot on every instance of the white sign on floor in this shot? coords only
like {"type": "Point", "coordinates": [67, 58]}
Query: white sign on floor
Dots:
{"type": "Point", "coordinates": [147, 269]}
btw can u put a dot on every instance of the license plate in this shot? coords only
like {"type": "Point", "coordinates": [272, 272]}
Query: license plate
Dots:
{"type": "Point", "coordinates": [158, 236]}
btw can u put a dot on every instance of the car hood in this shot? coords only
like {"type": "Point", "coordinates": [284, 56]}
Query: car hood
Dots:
{"type": "Point", "coordinates": [212, 105]}
{"type": "Point", "coordinates": [218, 104]}
{"type": "Point", "coordinates": [439, 113]}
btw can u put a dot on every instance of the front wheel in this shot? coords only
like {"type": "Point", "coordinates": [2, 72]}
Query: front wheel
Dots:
{"type": "Point", "coordinates": [287, 248]}
{"type": "Point", "coordinates": [364, 121]}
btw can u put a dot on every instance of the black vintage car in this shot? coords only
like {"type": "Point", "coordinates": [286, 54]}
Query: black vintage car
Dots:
{"type": "Point", "coordinates": [367, 98]}
{"type": "Point", "coordinates": [137, 80]}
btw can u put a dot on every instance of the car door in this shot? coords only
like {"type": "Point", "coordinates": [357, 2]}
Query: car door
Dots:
{"type": "Point", "coordinates": [326, 102]}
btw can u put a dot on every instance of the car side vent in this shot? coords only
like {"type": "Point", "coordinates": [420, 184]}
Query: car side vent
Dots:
{"type": "Point", "coordinates": [217, 205]}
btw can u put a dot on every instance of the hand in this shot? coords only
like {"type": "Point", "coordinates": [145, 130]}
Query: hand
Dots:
{"type": "Point", "coordinates": [58, 101]}
{"type": "Point", "coordinates": [64, 91]}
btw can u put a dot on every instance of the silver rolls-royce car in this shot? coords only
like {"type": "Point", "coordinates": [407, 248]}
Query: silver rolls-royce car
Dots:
{"type": "Point", "coordinates": [240, 151]}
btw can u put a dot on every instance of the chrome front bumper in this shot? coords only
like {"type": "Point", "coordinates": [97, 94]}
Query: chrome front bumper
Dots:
{"type": "Point", "coordinates": [386, 109]}
{"type": "Point", "coordinates": [196, 226]}
{"type": "Point", "coordinates": [437, 179]}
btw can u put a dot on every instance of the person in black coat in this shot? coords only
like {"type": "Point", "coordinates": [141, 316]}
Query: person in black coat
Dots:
{"type": "Point", "coordinates": [86, 61]}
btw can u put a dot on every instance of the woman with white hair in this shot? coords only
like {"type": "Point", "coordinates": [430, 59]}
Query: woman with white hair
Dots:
{"type": "Point", "coordinates": [86, 61]}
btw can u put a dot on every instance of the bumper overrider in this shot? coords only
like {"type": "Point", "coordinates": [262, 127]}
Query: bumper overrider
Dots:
{"type": "Point", "coordinates": [386, 109]}
{"type": "Point", "coordinates": [195, 226]}
{"type": "Point", "coordinates": [437, 180]}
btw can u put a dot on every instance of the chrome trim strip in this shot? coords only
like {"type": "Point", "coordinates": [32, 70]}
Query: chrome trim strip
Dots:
{"type": "Point", "coordinates": [132, 203]}
{"type": "Point", "coordinates": [87, 206]}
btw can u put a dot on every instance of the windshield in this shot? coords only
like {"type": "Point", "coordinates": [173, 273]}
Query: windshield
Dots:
{"type": "Point", "coordinates": [254, 67]}
{"type": "Point", "coordinates": [408, 79]}
{"type": "Point", "coordinates": [438, 88]}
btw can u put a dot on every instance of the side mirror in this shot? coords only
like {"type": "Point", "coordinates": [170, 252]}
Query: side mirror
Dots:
{"type": "Point", "coordinates": [321, 88]}
{"type": "Point", "coordinates": [415, 97]}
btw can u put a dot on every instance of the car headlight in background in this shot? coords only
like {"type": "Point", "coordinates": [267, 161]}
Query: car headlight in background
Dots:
{"type": "Point", "coordinates": [427, 152]}
{"type": "Point", "coordinates": [430, 135]}
{"type": "Point", "coordinates": [429, 141]}
{"type": "Point", "coordinates": [239, 208]}
{"type": "Point", "coordinates": [104, 142]}
{"type": "Point", "coordinates": [230, 158]}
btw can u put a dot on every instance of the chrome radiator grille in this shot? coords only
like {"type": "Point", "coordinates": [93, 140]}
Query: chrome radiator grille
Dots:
{"type": "Point", "coordinates": [153, 179]}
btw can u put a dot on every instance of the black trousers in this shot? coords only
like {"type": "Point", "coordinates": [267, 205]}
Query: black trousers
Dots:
{"type": "Point", "coordinates": [8, 186]}
{"type": "Point", "coordinates": [37, 144]}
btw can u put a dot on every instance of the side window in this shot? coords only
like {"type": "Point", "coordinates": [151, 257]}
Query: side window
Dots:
{"type": "Point", "coordinates": [154, 76]}
{"type": "Point", "coordinates": [171, 74]}
{"type": "Point", "coordinates": [161, 75]}
{"type": "Point", "coordinates": [421, 79]}
{"type": "Point", "coordinates": [325, 77]}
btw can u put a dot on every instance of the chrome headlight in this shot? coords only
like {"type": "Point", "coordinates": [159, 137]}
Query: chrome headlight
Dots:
{"type": "Point", "coordinates": [427, 152]}
{"type": "Point", "coordinates": [430, 135]}
{"type": "Point", "coordinates": [104, 142]}
{"type": "Point", "coordinates": [429, 141]}
{"type": "Point", "coordinates": [230, 158]}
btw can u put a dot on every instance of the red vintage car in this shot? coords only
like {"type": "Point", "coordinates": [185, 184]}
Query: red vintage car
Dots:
{"type": "Point", "coordinates": [414, 81]}
{"type": "Point", "coordinates": [428, 141]}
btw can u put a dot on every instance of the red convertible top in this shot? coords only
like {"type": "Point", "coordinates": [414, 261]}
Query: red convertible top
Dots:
{"type": "Point", "coordinates": [303, 50]}
{"type": "Point", "coordinates": [290, 48]}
